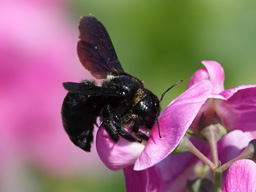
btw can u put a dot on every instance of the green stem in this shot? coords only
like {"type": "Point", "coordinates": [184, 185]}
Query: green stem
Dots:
{"type": "Point", "coordinates": [217, 178]}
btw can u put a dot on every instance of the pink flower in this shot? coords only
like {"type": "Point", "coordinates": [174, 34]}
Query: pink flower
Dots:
{"type": "Point", "coordinates": [241, 177]}
{"type": "Point", "coordinates": [204, 100]}
{"type": "Point", "coordinates": [234, 108]}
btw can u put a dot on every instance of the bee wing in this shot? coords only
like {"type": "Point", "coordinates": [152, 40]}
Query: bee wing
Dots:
{"type": "Point", "coordinates": [95, 49]}
{"type": "Point", "coordinates": [88, 88]}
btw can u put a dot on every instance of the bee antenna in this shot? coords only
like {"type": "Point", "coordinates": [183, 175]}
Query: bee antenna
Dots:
{"type": "Point", "coordinates": [169, 89]}
{"type": "Point", "coordinates": [159, 131]}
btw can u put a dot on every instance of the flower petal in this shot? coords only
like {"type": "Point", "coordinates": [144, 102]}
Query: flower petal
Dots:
{"type": "Point", "coordinates": [213, 72]}
{"type": "Point", "coordinates": [229, 92]}
{"type": "Point", "coordinates": [216, 74]}
{"type": "Point", "coordinates": [145, 180]}
{"type": "Point", "coordinates": [230, 145]}
{"type": "Point", "coordinates": [241, 177]}
{"type": "Point", "coordinates": [199, 75]}
{"type": "Point", "coordinates": [174, 122]}
{"type": "Point", "coordinates": [239, 110]}
{"type": "Point", "coordinates": [118, 155]}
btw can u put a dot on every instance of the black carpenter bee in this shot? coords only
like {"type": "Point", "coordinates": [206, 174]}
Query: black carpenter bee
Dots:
{"type": "Point", "coordinates": [122, 99]}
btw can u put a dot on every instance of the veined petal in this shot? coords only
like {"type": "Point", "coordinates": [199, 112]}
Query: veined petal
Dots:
{"type": "Point", "coordinates": [216, 75]}
{"type": "Point", "coordinates": [174, 122]}
{"type": "Point", "coordinates": [118, 155]}
{"type": "Point", "coordinates": [241, 177]}
{"type": "Point", "coordinates": [239, 110]}
{"type": "Point", "coordinates": [145, 180]}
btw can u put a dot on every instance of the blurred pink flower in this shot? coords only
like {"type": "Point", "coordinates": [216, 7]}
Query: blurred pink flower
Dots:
{"type": "Point", "coordinates": [241, 177]}
{"type": "Point", "coordinates": [37, 54]}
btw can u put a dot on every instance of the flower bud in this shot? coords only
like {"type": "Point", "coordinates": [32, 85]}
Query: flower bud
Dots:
{"type": "Point", "coordinates": [211, 126]}
{"type": "Point", "coordinates": [252, 149]}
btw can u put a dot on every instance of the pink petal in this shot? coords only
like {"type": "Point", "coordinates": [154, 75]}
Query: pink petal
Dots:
{"type": "Point", "coordinates": [118, 155]}
{"type": "Point", "coordinates": [241, 177]}
{"type": "Point", "coordinates": [216, 75]}
{"type": "Point", "coordinates": [146, 180]}
{"type": "Point", "coordinates": [174, 122]}
{"type": "Point", "coordinates": [239, 110]}
{"type": "Point", "coordinates": [231, 144]}
{"type": "Point", "coordinates": [199, 75]}
{"type": "Point", "coordinates": [229, 92]}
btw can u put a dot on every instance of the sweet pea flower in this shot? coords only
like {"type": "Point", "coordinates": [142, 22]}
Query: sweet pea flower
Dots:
{"type": "Point", "coordinates": [232, 109]}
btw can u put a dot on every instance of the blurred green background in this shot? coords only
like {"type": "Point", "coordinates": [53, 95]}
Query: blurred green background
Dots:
{"type": "Point", "coordinates": [162, 42]}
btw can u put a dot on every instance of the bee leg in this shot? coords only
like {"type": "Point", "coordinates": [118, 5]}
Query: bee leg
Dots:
{"type": "Point", "coordinates": [113, 125]}
{"type": "Point", "coordinates": [135, 129]}
{"type": "Point", "coordinates": [125, 134]}
{"type": "Point", "coordinates": [108, 122]}
{"type": "Point", "coordinates": [121, 131]}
